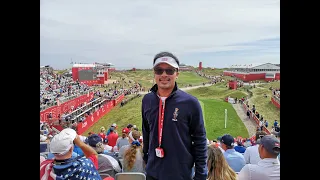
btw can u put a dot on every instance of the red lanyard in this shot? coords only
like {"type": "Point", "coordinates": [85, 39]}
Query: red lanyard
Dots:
{"type": "Point", "coordinates": [160, 120]}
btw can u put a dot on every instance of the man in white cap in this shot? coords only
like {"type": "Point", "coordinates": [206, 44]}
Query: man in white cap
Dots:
{"type": "Point", "coordinates": [63, 165]}
{"type": "Point", "coordinates": [172, 126]}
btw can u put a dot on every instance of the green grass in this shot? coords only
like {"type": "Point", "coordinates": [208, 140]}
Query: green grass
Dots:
{"type": "Point", "coordinates": [188, 77]}
{"type": "Point", "coordinates": [212, 72]}
{"type": "Point", "coordinates": [211, 100]}
{"type": "Point", "coordinates": [145, 78]}
{"type": "Point", "coordinates": [264, 105]}
{"type": "Point", "coordinates": [129, 113]}
{"type": "Point", "coordinates": [214, 119]}
{"type": "Point", "coordinates": [218, 91]}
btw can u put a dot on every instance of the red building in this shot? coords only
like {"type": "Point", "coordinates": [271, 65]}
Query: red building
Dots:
{"type": "Point", "coordinates": [91, 74]}
{"type": "Point", "coordinates": [247, 73]}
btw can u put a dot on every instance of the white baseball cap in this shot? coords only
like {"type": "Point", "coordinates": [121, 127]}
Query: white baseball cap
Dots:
{"type": "Point", "coordinates": [168, 60]}
{"type": "Point", "coordinates": [62, 142]}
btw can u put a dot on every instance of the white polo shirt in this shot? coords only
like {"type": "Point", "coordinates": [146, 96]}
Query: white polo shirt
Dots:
{"type": "Point", "coordinates": [266, 169]}
{"type": "Point", "coordinates": [251, 155]}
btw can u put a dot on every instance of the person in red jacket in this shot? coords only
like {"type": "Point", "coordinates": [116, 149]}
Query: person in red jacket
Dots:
{"type": "Point", "coordinates": [112, 138]}
{"type": "Point", "coordinates": [102, 133]}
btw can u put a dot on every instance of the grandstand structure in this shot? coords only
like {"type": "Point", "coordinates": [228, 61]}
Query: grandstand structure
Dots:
{"type": "Point", "coordinates": [91, 74]}
{"type": "Point", "coordinates": [184, 67]}
{"type": "Point", "coordinates": [266, 71]}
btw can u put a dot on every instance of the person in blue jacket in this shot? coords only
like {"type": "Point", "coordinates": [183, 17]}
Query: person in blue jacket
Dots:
{"type": "Point", "coordinates": [174, 136]}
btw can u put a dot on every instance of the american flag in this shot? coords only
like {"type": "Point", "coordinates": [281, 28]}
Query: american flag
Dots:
{"type": "Point", "coordinates": [82, 168]}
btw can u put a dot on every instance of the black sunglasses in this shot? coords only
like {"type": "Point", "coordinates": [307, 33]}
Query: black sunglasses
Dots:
{"type": "Point", "coordinates": [169, 71]}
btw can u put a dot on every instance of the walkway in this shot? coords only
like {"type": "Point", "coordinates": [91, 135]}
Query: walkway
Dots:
{"type": "Point", "coordinates": [250, 124]}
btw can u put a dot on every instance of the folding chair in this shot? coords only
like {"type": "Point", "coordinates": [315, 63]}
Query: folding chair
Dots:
{"type": "Point", "coordinates": [130, 176]}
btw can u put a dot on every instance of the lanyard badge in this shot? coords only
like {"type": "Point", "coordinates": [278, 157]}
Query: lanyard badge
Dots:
{"type": "Point", "coordinates": [159, 150]}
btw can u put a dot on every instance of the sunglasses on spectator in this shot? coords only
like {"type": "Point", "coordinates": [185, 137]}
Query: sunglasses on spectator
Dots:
{"type": "Point", "coordinates": [169, 71]}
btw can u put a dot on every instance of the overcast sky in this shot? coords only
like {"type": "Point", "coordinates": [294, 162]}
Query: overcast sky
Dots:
{"type": "Point", "coordinates": [128, 33]}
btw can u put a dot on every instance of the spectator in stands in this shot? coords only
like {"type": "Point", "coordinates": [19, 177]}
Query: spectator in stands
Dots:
{"type": "Point", "coordinates": [240, 147]}
{"type": "Point", "coordinates": [130, 126]}
{"type": "Point", "coordinates": [95, 141]}
{"type": "Point", "coordinates": [261, 125]}
{"type": "Point", "coordinates": [124, 139]}
{"type": "Point", "coordinates": [135, 128]}
{"type": "Point", "coordinates": [235, 160]}
{"type": "Point", "coordinates": [219, 143]}
{"type": "Point", "coordinates": [266, 124]}
{"type": "Point", "coordinates": [251, 155]}
{"type": "Point", "coordinates": [277, 128]}
{"type": "Point", "coordinates": [269, 167]}
{"type": "Point", "coordinates": [257, 114]}
{"type": "Point", "coordinates": [112, 137]}
{"type": "Point", "coordinates": [114, 127]}
{"type": "Point", "coordinates": [102, 134]}
{"type": "Point", "coordinates": [247, 143]}
{"type": "Point", "coordinates": [181, 141]}
{"type": "Point", "coordinates": [275, 124]}
{"type": "Point", "coordinates": [253, 109]}
{"type": "Point", "coordinates": [218, 168]}
{"type": "Point", "coordinates": [248, 113]}
{"type": "Point", "coordinates": [63, 164]}
{"type": "Point", "coordinates": [132, 154]}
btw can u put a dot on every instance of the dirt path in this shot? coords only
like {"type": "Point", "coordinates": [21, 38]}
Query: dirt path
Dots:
{"type": "Point", "coordinates": [250, 124]}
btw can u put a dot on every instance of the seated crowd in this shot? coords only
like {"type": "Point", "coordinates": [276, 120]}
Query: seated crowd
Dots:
{"type": "Point", "coordinates": [103, 154]}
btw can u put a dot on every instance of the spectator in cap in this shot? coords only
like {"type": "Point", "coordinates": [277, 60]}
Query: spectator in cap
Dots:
{"type": "Point", "coordinates": [123, 140]}
{"type": "Point", "coordinates": [114, 126]}
{"type": "Point", "coordinates": [96, 142]}
{"type": "Point", "coordinates": [112, 137]}
{"type": "Point", "coordinates": [135, 128]}
{"type": "Point", "coordinates": [218, 168]}
{"type": "Point", "coordinates": [63, 165]}
{"type": "Point", "coordinates": [269, 167]}
{"type": "Point", "coordinates": [251, 155]}
{"type": "Point", "coordinates": [235, 159]}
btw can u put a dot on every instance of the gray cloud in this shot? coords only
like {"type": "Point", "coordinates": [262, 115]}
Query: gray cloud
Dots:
{"type": "Point", "coordinates": [128, 33]}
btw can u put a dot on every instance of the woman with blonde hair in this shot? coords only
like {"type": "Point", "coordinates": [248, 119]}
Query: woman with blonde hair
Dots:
{"type": "Point", "coordinates": [218, 168]}
{"type": "Point", "coordinates": [132, 161]}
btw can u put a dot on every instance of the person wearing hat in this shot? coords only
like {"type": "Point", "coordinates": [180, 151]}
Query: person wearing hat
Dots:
{"type": "Point", "coordinates": [114, 126]}
{"type": "Point", "coordinates": [63, 165]}
{"type": "Point", "coordinates": [96, 142]}
{"type": "Point", "coordinates": [112, 137]}
{"type": "Point", "coordinates": [123, 140]}
{"type": "Point", "coordinates": [235, 159]}
{"type": "Point", "coordinates": [269, 167]}
{"type": "Point", "coordinates": [172, 126]}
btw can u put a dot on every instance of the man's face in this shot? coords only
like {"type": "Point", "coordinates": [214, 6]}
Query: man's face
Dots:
{"type": "Point", "coordinates": [164, 80]}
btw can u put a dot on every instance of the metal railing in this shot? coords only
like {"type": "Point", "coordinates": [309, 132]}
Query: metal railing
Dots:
{"type": "Point", "coordinates": [276, 98]}
{"type": "Point", "coordinates": [63, 99]}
